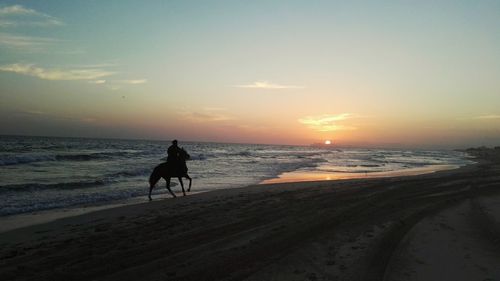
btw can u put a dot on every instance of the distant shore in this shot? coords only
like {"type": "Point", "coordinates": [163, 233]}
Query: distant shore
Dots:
{"type": "Point", "coordinates": [389, 228]}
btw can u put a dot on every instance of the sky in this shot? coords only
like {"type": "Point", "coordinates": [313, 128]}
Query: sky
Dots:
{"type": "Point", "coordinates": [359, 73]}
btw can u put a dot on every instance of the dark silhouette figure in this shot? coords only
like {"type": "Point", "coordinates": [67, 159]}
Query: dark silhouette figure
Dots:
{"type": "Point", "coordinates": [172, 168]}
{"type": "Point", "coordinates": [173, 152]}
{"type": "Point", "coordinates": [174, 157]}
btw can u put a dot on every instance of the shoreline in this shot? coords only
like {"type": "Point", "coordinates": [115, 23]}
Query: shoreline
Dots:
{"type": "Point", "coordinates": [306, 176]}
{"type": "Point", "coordinates": [12, 222]}
{"type": "Point", "coordinates": [325, 230]}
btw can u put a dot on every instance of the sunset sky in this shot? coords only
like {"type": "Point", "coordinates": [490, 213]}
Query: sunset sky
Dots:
{"type": "Point", "coordinates": [371, 73]}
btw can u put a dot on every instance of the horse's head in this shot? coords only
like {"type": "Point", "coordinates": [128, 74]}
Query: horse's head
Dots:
{"type": "Point", "coordinates": [184, 155]}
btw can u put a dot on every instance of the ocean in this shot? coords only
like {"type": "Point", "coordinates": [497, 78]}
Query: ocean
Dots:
{"type": "Point", "coordinates": [49, 173]}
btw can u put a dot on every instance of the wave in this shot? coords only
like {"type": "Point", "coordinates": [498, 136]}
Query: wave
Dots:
{"type": "Point", "coordinates": [7, 160]}
{"type": "Point", "coordinates": [131, 173]}
{"type": "Point", "coordinates": [115, 169]}
{"type": "Point", "coordinates": [62, 201]}
{"type": "Point", "coordinates": [227, 155]}
{"type": "Point", "coordinates": [107, 179]}
{"type": "Point", "coordinates": [31, 187]}
{"type": "Point", "coordinates": [19, 202]}
{"type": "Point", "coordinates": [200, 156]}
{"type": "Point", "coordinates": [243, 153]}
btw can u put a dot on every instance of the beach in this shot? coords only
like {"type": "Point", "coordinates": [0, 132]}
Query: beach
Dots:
{"type": "Point", "coordinates": [249, 140]}
{"type": "Point", "coordinates": [437, 226]}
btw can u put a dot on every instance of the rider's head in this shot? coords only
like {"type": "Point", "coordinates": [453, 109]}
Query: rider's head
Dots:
{"type": "Point", "coordinates": [174, 142]}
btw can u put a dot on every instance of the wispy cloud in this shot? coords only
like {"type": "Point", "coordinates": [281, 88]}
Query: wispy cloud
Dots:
{"type": "Point", "coordinates": [17, 10]}
{"type": "Point", "coordinates": [56, 74]}
{"type": "Point", "coordinates": [487, 117]}
{"type": "Point", "coordinates": [38, 114]}
{"type": "Point", "coordinates": [7, 23]}
{"type": "Point", "coordinates": [328, 122]}
{"type": "Point", "coordinates": [25, 42]}
{"type": "Point", "coordinates": [267, 85]}
{"type": "Point", "coordinates": [32, 112]}
{"type": "Point", "coordinates": [97, 65]}
{"type": "Point", "coordinates": [132, 81]}
{"type": "Point", "coordinates": [119, 84]}
{"type": "Point", "coordinates": [206, 115]}
{"type": "Point", "coordinates": [16, 15]}
{"type": "Point", "coordinates": [484, 117]}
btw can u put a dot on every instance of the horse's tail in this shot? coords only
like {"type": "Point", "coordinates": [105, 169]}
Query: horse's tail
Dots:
{"type": "Point", "coordinates": [155, 176]}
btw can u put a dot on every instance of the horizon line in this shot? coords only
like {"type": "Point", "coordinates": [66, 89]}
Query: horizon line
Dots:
{"type": "Point", "coordinates": [354, 146]}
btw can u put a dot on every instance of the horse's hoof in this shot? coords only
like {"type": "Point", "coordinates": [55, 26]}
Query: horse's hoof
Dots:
{"type": "Point", "coordinates": [150, 199]}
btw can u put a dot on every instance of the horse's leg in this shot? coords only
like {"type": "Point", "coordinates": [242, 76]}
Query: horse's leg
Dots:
{"type": "Point", "coordinates": [182, 185]}
{"type": "Point", "coordinates": [190, 181]}
{"type": "Point", "coordinates": [168, 187]}
{"type": "Point", "coordinates": [150, 190]}
{"type": "Point", "coordinates": [153, 179]}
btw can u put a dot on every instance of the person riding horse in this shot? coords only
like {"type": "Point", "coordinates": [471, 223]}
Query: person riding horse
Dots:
{"type": "Point", "coordinates": [174, 159]}
{"type": "Point", "coordinates": [175, 167]}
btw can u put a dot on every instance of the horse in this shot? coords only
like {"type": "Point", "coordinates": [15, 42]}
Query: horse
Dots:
{"type": "Point", "coordinates": [167, 171]}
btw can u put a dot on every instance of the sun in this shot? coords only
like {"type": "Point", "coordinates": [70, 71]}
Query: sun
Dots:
{"type": "Point", "coordinates": [328, 142]}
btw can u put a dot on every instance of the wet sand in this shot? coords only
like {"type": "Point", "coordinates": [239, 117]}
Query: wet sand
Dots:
{"type": "Point", "coordinates": [301, 176]}
{"type": "Point", "coordinates": [360, 229]}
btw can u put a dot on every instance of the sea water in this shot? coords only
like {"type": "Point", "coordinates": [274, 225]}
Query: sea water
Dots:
{"type": "Point", "coordinates": [48, 173]}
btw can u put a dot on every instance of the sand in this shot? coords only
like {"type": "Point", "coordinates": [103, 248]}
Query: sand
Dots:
{"type": "Point", "coordinates": [458, 243]}
{"type": "Point", "coordinates": [440, 226]}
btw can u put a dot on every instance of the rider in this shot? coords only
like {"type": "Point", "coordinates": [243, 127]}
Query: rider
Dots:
{"type": "Point", "coordinates": [174, 152]}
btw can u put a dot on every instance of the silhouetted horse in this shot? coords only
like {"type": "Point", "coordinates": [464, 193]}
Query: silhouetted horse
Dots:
{"type": "Point", "coordinates": [169, 170]}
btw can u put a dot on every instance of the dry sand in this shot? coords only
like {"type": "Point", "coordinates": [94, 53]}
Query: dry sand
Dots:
{"type": "Point", "coordinates": [441, 226]}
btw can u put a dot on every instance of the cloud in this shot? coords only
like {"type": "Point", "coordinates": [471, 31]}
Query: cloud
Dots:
{"type": "Point", "coordinates": [206, 115]}
{"type": "Point", "coordinates": [17, 10]}
{"type": "Point", "coordinates": [7, 23]}
{"type": "Point", "coordinates": [94, 74]}
{"type": "Point", "coordinates": [38, 114]}
{"type": "Point", "coordinates": [16, 15]}
{"type": "Point", "coordinates": [132, 81]}
{"type": "Point", "coordinates": [487, 117]}
{"type": "Point", "coordinates": [267, 85]}
{"type": "Point", "coordinates": [25, 42]}
{"type": "Point", "coordinates": [56, 74]}
{"type": "Point", "coordinates": [32, 112]}
{"type": "Point", "coordinates": [97, 65]}
{"type": "Point", "coordinates": [118, 84]}
{"type": "Point", "coordinates": [328, 122]}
